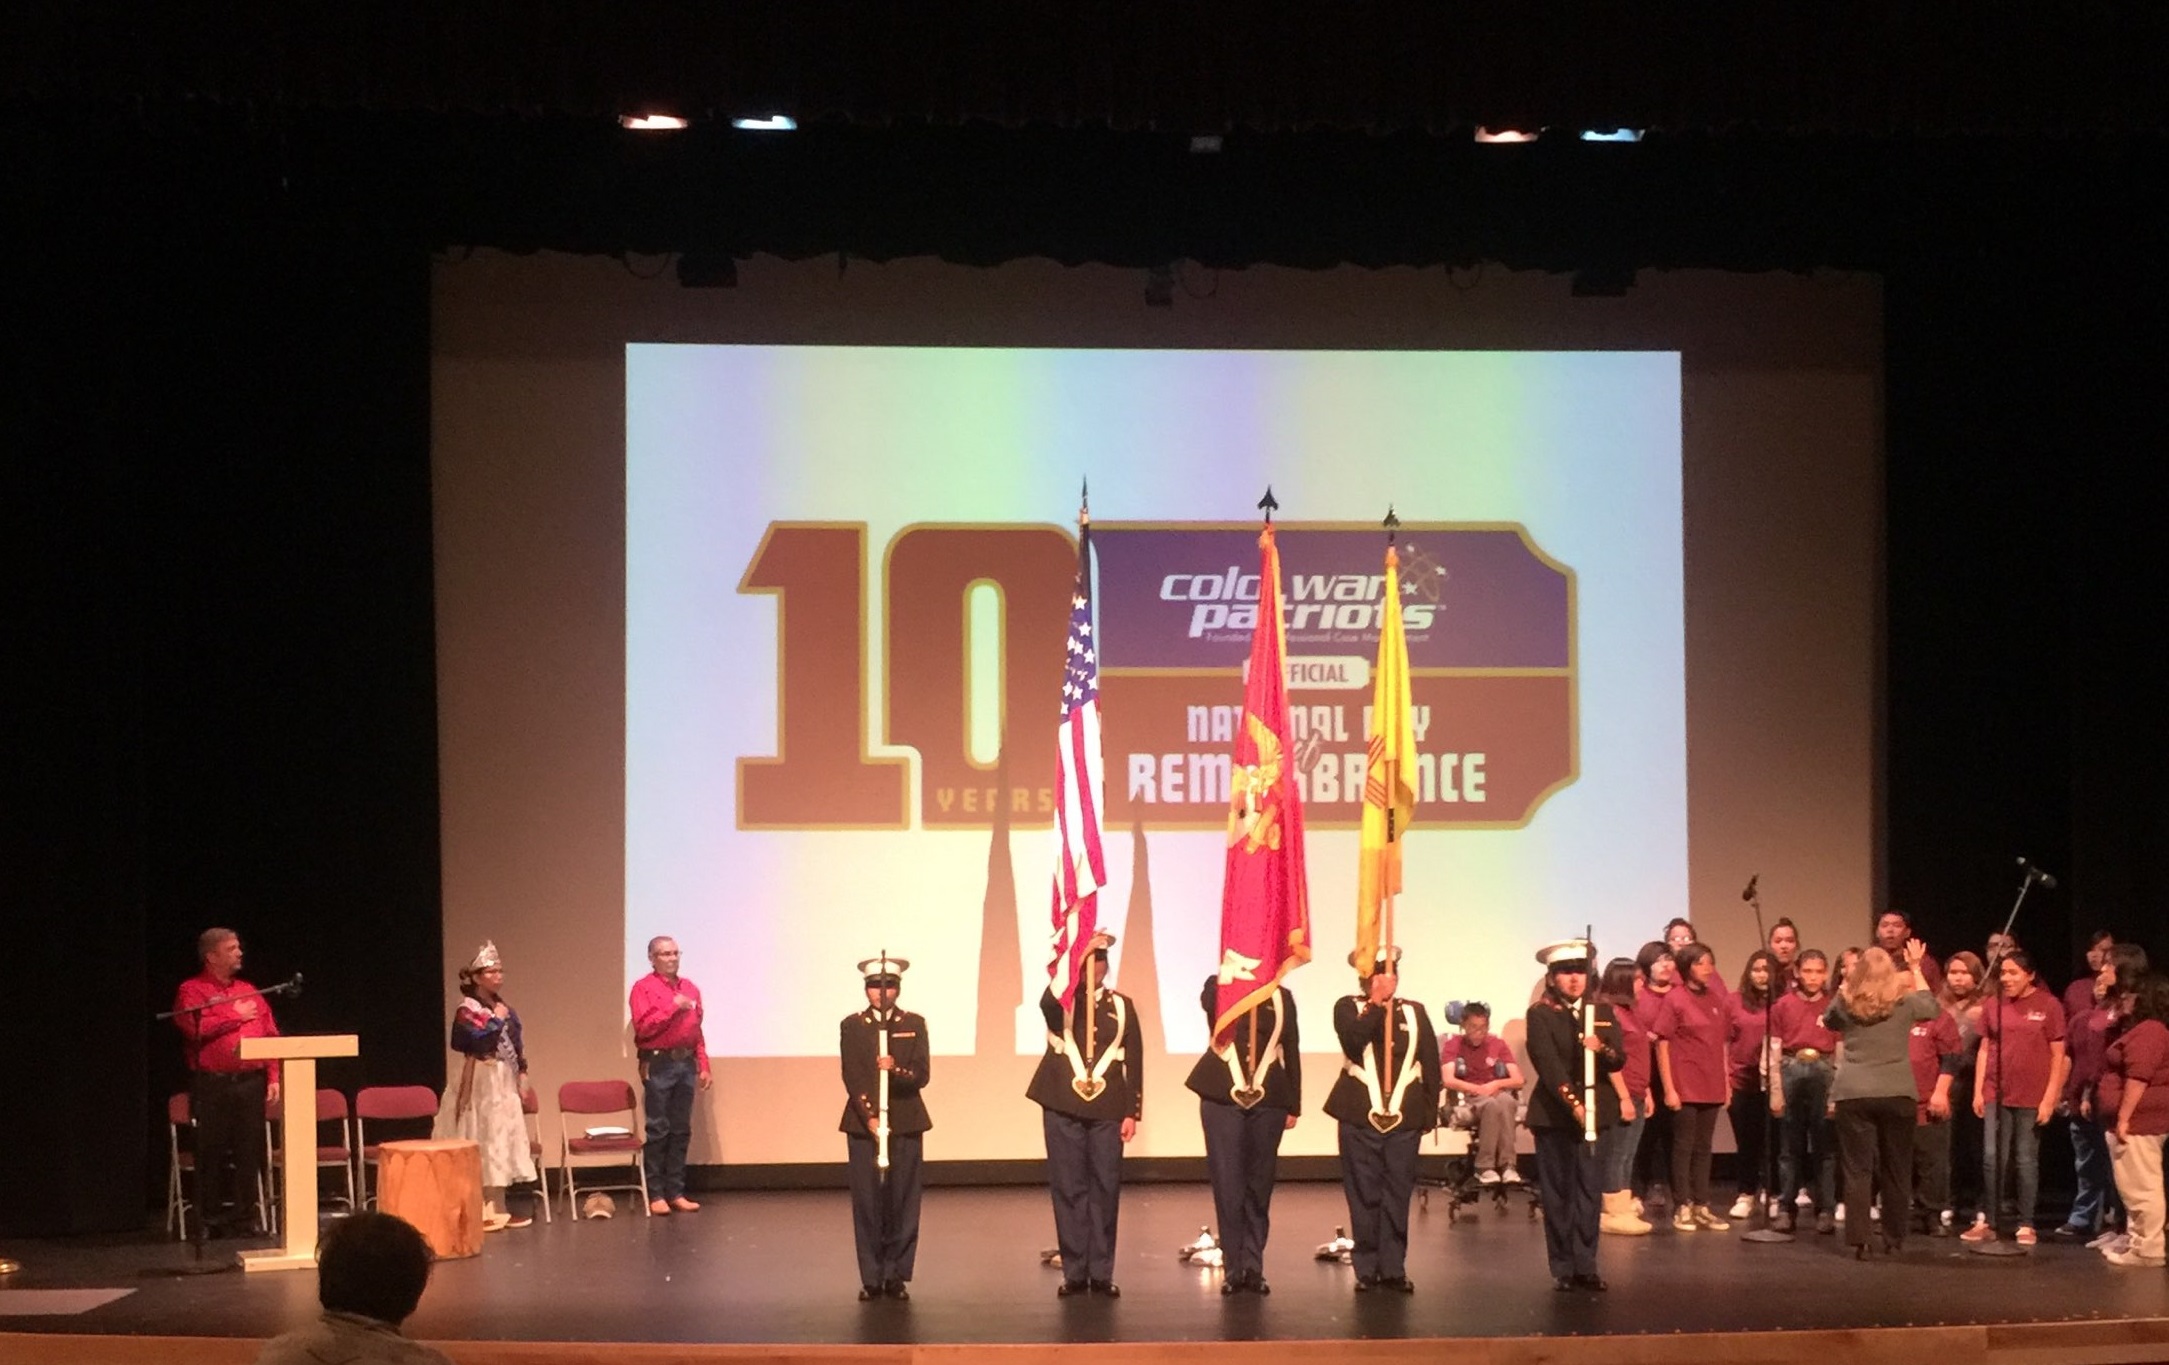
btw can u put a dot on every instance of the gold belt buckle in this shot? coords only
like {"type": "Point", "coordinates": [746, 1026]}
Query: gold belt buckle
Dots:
{"type": "Point", "coordinates": [1807, 1054]}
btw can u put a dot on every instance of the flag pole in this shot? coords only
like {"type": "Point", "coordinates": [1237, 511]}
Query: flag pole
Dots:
{"type": "Point", "coordinates": [1266, 504]}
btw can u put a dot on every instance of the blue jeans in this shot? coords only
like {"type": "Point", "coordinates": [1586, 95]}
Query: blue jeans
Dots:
{"type": "Point", "coordinates": [2012, 1141]}
{"type": "Point", "coordinates": [2096, 1204]}
{"type": "Point", "coordinates": [1615, 1152]}
{"type": "Point", "coordinates": [1807, 1158]}
{"type": "Point", "coordinates": [668, 1093]}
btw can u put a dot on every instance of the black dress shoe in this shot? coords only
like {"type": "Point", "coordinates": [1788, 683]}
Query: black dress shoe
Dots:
{"type": "Point", "coordinates": [1366, 1283]}
{"type": "Point", "coordinates": [868, 1293]}
{"type": "Point", "coordinates": [1070, 1289]}
{"type": "Point", "coordinates": [1259, 1286]}
{"type": "Point", "coordinates": [2064, 1232]}
{"type": "Point", "coordinates": [1230, 1287]}
{"type": "Point", "coordinates": [895, 1290]}
{"type": "Point", "coordinates": [1592, 1282]}
{"type": "Point", "coordinates": [1400, 1282]}
{"type": "Point", "coordinates": [1563, 1283]}
{"type": "Point", "coordinates": [1107, 1287]}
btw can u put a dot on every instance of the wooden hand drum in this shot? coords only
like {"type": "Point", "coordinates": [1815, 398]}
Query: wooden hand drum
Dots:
{"type": "Point", "coordinates": [435, 1184]}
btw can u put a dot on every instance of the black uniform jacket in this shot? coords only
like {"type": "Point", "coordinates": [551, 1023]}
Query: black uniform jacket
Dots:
{"type": "Point", "coordinates": [1124, 1096]}
{"type": "Point", "coordinates": [1555, 1054]}
{"type": "Point", "coordinates": [859, 1046]}
{"type": "Point", "coordinates": [1362, 1030]}
{"type": "Point", "coordinates": [1214, 1080]}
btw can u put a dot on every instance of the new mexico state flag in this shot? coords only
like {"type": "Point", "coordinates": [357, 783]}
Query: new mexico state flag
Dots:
{"type": "Point", "coordinates": [1389, 799]}
{"type": "Point", "coordinates": [1264, 899]}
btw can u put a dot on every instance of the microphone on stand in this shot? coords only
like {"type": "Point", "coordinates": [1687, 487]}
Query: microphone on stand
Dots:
{"type": "Point", "coordinates": [1749, 893]}
{"type": "Point", "coordinates": [2036, 873]}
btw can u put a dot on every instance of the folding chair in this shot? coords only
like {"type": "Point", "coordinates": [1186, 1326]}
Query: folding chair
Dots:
{"type": "Point", "coordinates": [531, 1109]}
{"type": "Point", "coordinates": [331, 1107]}
{"type": "Point", "coordinates": [180, 1164]}
{"type": "Point", "coordinates": [599, 1099]}
{"type": "Point", "coordinates": [385, 1104]}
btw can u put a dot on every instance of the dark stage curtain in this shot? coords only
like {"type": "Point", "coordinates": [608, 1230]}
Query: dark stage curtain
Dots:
{"type": "Point", "coordinates": [1853, 66]}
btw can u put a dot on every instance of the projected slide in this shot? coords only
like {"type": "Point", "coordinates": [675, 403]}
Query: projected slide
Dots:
{"type": "Point", "coordinates": [847, 582]}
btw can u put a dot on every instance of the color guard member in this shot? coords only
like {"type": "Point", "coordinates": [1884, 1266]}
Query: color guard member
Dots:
{"type": "Point", "coordinates": [883, 1123]}
{"type": "Point", "coordinates": [1091, 1087]}
{"type": "Point", "coordinates": [1249, 1093]}
{"type": "Point", "coordinates": [1567, 1177]}
{"type": "Point", "coordinates": [1385, 1100]}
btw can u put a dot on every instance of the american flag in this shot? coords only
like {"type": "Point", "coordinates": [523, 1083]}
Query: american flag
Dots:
{"type": "Point", "coordinates": [1080, 870]}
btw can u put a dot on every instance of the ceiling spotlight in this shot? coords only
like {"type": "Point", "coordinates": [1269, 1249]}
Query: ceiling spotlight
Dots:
{"type": "Point", "coordinates": [767, 123]}
{"type": "Point", "coordinates": [1503, 135]}
{"type": "Point", "coordinates": [651, 123]}
{"type": "Point", "coordinates": [1612, 135]}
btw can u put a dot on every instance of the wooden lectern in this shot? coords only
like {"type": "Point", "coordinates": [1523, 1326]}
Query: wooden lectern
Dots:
{"type": "Point", "coordinates": [297, 1136]}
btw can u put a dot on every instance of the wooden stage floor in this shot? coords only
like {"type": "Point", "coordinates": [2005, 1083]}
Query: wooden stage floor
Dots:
{"type": "Point", "coordinates": [770, 1276]}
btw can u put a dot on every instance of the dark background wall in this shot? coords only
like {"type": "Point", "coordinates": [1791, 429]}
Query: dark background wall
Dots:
{"type": "Point", "coordinates": [220, 707]}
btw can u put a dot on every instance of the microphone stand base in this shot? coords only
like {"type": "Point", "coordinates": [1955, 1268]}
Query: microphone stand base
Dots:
{"type": "Point", "coordinates": [1769, 1236]}
{"type": "Point", "coordinates": [8, 1266]}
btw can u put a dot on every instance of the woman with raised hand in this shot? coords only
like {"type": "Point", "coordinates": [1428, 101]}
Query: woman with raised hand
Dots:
{"type": "Point", "coordinates": [2020, 1074]}
{"type": "Point", "coordinates": [1693, 1031]}
{"type": "Point", "coordinates": [1874, 1014]}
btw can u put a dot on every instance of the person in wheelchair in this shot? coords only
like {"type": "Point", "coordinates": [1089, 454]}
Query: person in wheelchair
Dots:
{"type": "Point", "coordinates": [1478, 1069]}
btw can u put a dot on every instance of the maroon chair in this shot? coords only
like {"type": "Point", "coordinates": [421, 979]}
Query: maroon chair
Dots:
{"type": "Point", "coordinates": [331, 1107]}
{"type": "Point", "coordinates": [386, 1104]}
{"type": "Point", "coordinates": [180, 1163]}
{"type": "Point", "coordinates": [600, 1099]}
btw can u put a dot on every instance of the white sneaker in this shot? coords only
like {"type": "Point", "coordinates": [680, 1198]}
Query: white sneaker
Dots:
{"type": "Point", "coordinates": [1803, 1200]}
{"type": "Point", "coordinates": [1742, 1207]}
{"type": "Point", "coordinates": [2107, 1238]}
{"type": "Point", "coordinates": [2118, 1245]}
{"type": "Point", "coordinates": [1841, 1215]}
{"type": "Point", "coordinates": [1511, 1176]}
{"type": "Point", "coordinates": [2128, 1258]}
{"type": "Point", "coordinates": [1487, 1177]}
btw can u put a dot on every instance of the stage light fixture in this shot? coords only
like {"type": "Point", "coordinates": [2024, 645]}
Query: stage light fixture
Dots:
{"type": "Point", "coordinates": [1503, 135]}
{"type": "Point", "coordinates": [651, 123]}
{"type": "Point", "coordinates": [1160, 287]}
{"type": "Point", "coordinates": [1612, 135]}
{"type": "Point", "coordinates": [708, 270]}
{"type": "Point", "coordinates": [766, 123]}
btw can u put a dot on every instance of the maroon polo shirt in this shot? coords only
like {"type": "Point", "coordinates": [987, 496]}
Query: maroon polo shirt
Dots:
{"type": "Point", "coordinates": [2086, 1043]}
{"type": "Point", "coordinates": [1744, 1053]}
{"type": "Point", "coordinates": [2031, 1023]}
{"type": "Point", "coordinates": [2140, 1053]}
{"type": "Point", "coordinates": [1482, 1059]}
{"type": "Point", "coordinates": [1698, 1025]}
{"type": "Point", "coordinates": [1799, 1023]}
{"type": "Point", "coordinates": [1926, 1047]}
{"type": "Point", "coordinates": [1634, 1041]}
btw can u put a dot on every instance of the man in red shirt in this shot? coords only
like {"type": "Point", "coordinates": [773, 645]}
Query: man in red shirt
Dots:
{"type": "Point", "coordinates": [1893, 929]}
{"type": "Point", "coordinates": [667, 1017]}
{"type": "Point", "coordinates": [1477, 1064]}
{"type": "Point", "coordinates": [215, 1010]}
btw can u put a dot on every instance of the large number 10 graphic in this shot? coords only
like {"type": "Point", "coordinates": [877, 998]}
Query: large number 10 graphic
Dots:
{"type": "Point", "coordinates": [822, 775]}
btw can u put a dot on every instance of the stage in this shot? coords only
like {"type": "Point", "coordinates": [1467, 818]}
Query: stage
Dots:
{"type": "Point", "coordinates": [770, 1276]}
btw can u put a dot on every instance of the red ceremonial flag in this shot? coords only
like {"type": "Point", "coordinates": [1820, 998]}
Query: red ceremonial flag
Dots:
{"type": "Point", "coordinates": [1264, 901]}
{"type": "Point", "coordinates": [1079, 868]}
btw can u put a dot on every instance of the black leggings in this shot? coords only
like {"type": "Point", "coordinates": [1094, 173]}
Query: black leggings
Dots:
{"type": "Point", "coordinates": [1694, 1126]}
{"type": "Point", "coordinates": [1752, 1131]}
